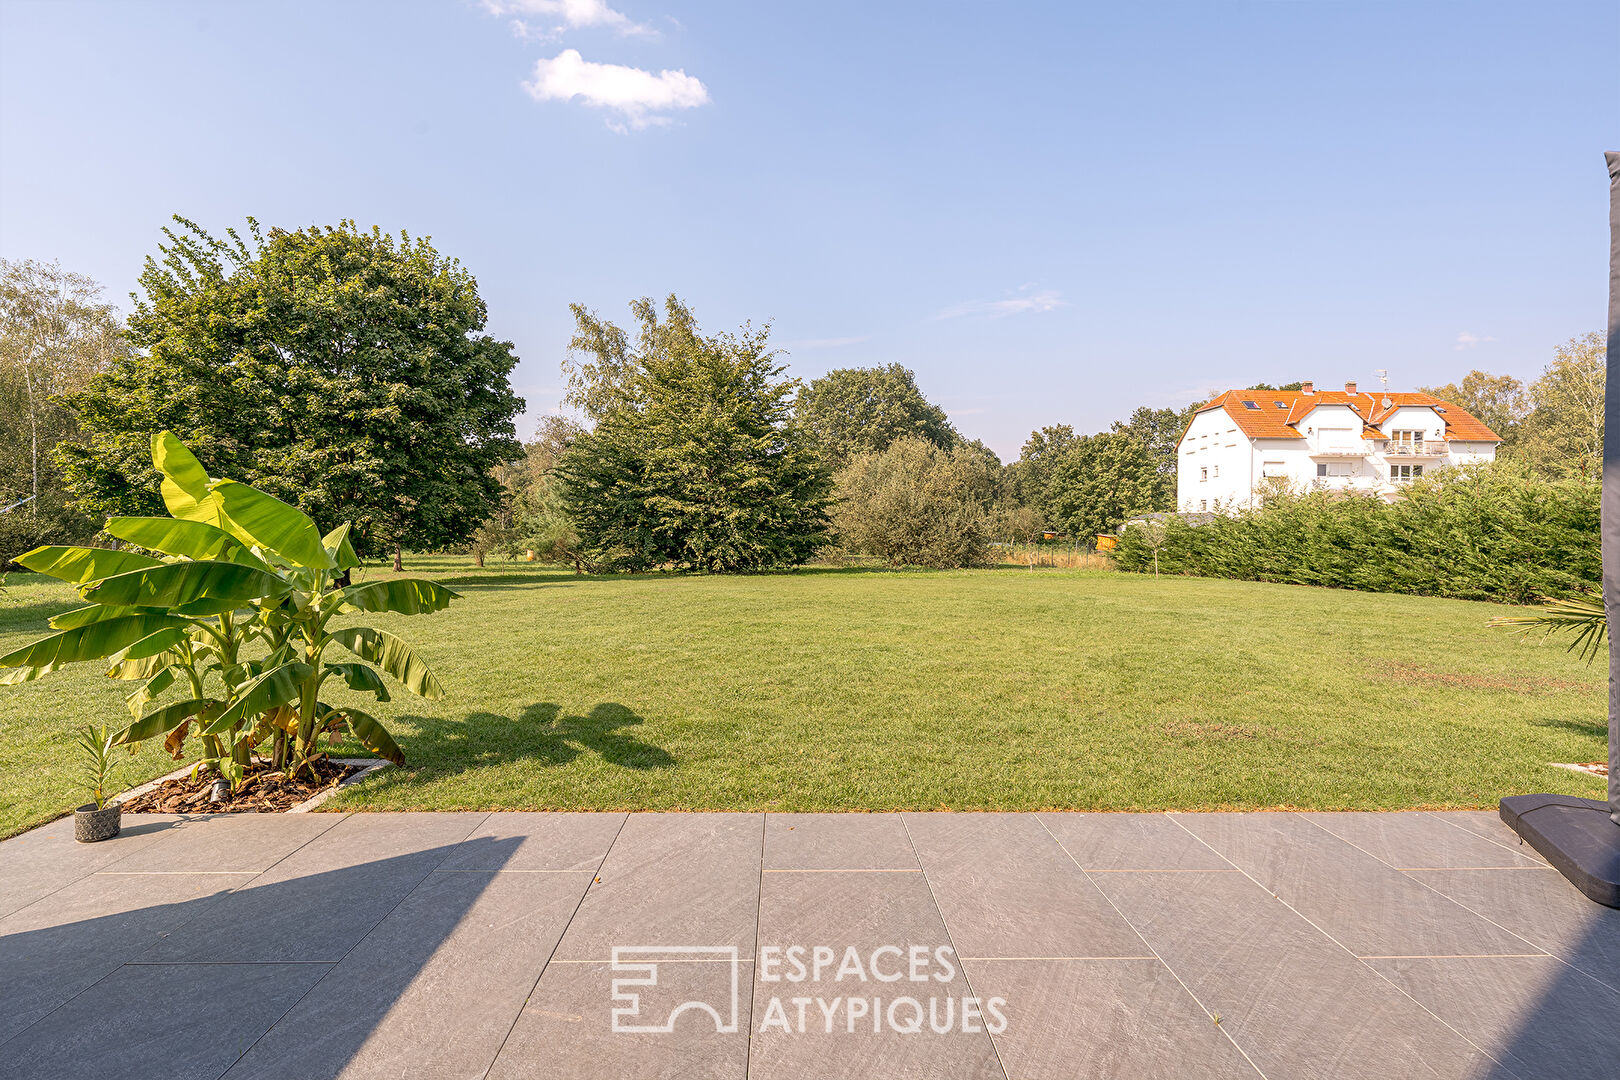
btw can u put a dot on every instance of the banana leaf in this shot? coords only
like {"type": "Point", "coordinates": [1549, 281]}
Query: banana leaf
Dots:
{"type": "Point", "coordinates": [81, 564]}
{"type": "Point", "coordinates": [393, 656]}
{"type": "Point", "coordinates": [278, 686]}
{"type": "Point", "coordinates": [174, 584]}
{"type": "Point", "coordinates": [185, 482]}
{"type": "Point", "coordinates": [361, 677]}
{"type": "Point", "coordinates": [273, 524]}
{"type": "Point", "coordinates": [93, 642]}
{"type": "Point", "coordinates": [162, 721]}
{"type": "Point", "coordinates": [406, 596]}
{"type": "Point", "coordinates": [176, 536]}
{"type": "Point", "coordinates": [338, 547]}
{"type": "Point", "coordinates": [372, 735]}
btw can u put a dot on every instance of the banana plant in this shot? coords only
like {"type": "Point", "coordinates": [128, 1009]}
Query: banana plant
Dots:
{"type": "Point", "coordinates": [233, 567]}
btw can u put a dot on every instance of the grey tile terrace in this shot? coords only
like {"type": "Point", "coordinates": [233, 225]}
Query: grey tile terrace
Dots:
{"type": "Point", "coordinates": [822, 945]}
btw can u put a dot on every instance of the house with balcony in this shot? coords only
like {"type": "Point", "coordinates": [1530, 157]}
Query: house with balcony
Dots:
{"type": "Point", "coordinates": [1246, 441]}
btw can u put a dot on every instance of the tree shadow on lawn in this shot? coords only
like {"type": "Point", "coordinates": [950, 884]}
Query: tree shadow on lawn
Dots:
{"type": "Point", "coordinates": [1595, 729]}
{"type": "Point", "coordinates": [541, 733]}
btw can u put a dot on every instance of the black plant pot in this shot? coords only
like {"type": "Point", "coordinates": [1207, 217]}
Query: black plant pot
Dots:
{"type": "Point", "coordinates": [91, 825]}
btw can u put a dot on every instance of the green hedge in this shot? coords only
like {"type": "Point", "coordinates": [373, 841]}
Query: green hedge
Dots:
{"type": "Point", "coordinates": [1487, 532]}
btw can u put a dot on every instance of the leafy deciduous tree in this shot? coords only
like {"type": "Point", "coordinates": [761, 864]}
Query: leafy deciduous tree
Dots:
{"type": "Point", "coordinates": [1564, 432]}
{"type": "Point", "coordinates": [694, 461]}
{"type": "Point", "coordinates": [345, 372]}
{"type": "Point", "coordinates": [1499, 401]}
{"type": "Point", "coordinates": [55, 335]}
{"type": "Point", "coordinates": [1100, 480]}
{"type": "Point", "coordinates": [853, 411]}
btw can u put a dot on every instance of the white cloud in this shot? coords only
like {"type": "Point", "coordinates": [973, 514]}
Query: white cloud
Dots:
{"type": "Point", "coordinates": [1465, 340]}
{"type": "Point", "coordinates": [1025, 303]}
{"type": "Point", "coordinates": [574, 15]}
{"type": "Point", "coordinates": [640, 97]}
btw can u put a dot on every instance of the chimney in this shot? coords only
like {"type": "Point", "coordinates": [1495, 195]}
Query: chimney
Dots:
{"type": "Point", "coordinates": [1307, 387]}
{"type": "Point", "coordinates": [1350, 388]}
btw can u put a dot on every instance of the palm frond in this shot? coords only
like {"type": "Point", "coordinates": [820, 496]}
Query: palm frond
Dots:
{"type": "Point", "coordinates": [1583, 616]}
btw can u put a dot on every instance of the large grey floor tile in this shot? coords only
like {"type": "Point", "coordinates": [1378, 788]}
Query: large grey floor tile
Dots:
{"type": "Point", "coordinates": [317, 903]}
{"type": "Point", "coordinates": [1296, 1003]}
{"type": "Point", "coordinates": [1131, 842]}
{"type": "Point", "coordinates": [1368, 906]}
{"type": "Point", "coordinates": [42, 860]}
{"type": "Point", "coordinates": [1119, 1019]}
{"type": "Point", "coordinates": [58, 946]}
{"type": "Point", "coordinates": [237, 843]}
{"type": "Point", "coordinates": [1537, 1015]}
{"type": "Point", "coordinates": [1007, 889]}
{"type": "Point", "coordinates": [1416, 839]}
{"type": "Point", "coordinates": [457, 958]}
{"type": "Point", "coordinates": [566, 1030]}
{"type": "Point", "coordinates": [159, 1022]}
{"type": "Point", "coordinates": [871, 922]}
{"type": "Point", "coordinates": [545, 841]}
{"type": "Point", "coordinates": [837, 842]}
{"type": "Point", "coordinates": [1489, 824]}
{"type": "Point", "coordinates": [1544, 909]}
{"type": "Point", "coordinates": [672, 879]}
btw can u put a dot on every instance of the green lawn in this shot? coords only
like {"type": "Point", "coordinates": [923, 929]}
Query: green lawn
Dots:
{"type": "Point", "coordinates": [863, 690]}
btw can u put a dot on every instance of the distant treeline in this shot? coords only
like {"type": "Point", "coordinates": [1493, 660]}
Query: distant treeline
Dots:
{"type": "Point", "coordinates": [1487, 532]}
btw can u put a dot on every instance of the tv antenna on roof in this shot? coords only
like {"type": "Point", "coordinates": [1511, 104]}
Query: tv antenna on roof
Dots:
{"type": "Point", "coordinates": [1383, 377]}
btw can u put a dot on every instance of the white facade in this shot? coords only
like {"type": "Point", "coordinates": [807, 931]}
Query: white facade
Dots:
{"type": "Point", "coordinates": [1332, 446]}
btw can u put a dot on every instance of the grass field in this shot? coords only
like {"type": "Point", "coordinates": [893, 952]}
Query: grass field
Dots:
{"type": "Point", "coordinates": [867, 690]}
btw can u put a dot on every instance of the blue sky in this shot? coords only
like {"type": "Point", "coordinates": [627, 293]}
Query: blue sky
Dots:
{"type": "Point", "coordinates": [1052, 213]}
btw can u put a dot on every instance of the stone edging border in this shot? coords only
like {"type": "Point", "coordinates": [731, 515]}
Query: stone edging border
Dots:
{"type": "Point", "coordinates": [367, 767]}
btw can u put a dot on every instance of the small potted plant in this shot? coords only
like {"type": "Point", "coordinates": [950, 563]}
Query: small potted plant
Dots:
{"type": "Point", "coordinates": [98, 820]}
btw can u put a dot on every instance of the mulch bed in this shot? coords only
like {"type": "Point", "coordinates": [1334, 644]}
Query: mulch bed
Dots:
{"type": "Point", "coordinates": [266, 791]}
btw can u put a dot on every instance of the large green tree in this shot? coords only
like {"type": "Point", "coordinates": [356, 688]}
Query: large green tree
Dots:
{"type": "Point", "coordinates": [1160, 430]}
{"type": "Point", "coordinates": [694, 461]}
{"type": "Point", "coordinates": [55, 335]}
{"type": "Point", "coordinates": [1098, 481]}
{"type": "Point", "coordinates": [344, 371]}
{"type": "Point", "coordinates": [1032, 472]}
{"type": "Point", "coordinates": [1499, 401]}
{"type": "Point", "coordinates": [1564, 432]}
{"type": "Point", "coordinates": [853, 411]}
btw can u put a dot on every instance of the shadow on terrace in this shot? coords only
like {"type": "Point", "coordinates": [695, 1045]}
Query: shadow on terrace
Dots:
{"type": "Point", "coordinates": [192, 988]}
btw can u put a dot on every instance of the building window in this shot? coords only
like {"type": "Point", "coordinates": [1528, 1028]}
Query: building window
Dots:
{"type": "Point", "coordinates": [1203, 504]}
{"type": "Point", "coordinates": [1203, 474]}
{"type": "Point", "coordinates": [1251, 405]}
{"type": "Point", "coordinates": [1411, 439]}
{"type": "Point", "coordinates": [1401, 473]}
{"type": "Point", "coordinates": [1335, 468]}
{"type": "Point", "coordinates": [1273, 468]}
{"type": "Point", "coordinates": [1280, 404]}
{"type": "Point", "coordinates": [1217, 471]}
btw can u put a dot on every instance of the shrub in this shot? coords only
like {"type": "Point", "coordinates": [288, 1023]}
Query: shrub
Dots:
{"type": "Point", "coordinates": [915, 504]}
{"type": "Point", "coordinates": [1485, 532]}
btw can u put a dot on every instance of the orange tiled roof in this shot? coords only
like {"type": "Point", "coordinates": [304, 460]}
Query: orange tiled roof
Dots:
{"type": "Point", "coordinates": [1270, 421]}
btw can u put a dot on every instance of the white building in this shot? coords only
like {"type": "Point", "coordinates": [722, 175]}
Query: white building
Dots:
{"type": "Point", "coordinates": [1334, 439]}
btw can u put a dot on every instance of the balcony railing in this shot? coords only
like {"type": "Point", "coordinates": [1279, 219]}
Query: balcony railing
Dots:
{"type": "Point", "coordinates": [1340, 452]}
{"type": "Point", "coordinates": [1429, 448]}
